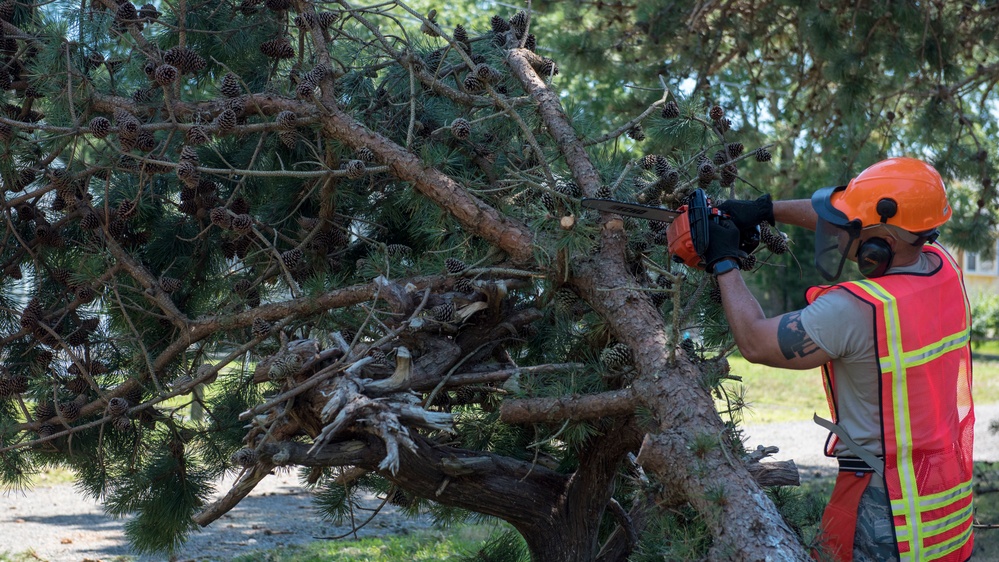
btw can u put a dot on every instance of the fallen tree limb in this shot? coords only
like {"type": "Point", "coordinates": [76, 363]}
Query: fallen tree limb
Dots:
{"type": "Point", "coordinates": [588, 407]}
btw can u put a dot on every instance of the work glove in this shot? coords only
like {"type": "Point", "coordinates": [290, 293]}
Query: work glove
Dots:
{"type": "Point", "coordinates": [723, 243]}
{"type": "Point", "coordinates": [747, 214]}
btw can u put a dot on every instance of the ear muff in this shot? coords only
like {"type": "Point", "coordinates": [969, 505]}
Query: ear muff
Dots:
{"type": "Point", "coordinates": [874, 257]}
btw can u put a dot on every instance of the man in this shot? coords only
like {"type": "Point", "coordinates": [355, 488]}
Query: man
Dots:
{"type": "Point", "coordinates": [895, 351]}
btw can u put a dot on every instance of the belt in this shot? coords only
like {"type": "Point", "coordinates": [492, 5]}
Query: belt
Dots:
{"type": "Point", "coordinates": [855, 464]}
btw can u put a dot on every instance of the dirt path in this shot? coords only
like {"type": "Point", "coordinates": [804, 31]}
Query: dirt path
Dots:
{"type": "Point", "coordinates": [61, 525]}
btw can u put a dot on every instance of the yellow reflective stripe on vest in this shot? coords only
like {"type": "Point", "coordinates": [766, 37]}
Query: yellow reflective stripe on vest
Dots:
{"type": "Point", "coordinates": [895, 364]}
{"type": "Point", "coordinates": [932, 351]}
{"type": "Point", "coordinates": [933, 501]}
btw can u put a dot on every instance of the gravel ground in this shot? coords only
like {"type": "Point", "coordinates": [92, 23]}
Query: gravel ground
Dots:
{"type": "Point", "coordinates": [61, 525]}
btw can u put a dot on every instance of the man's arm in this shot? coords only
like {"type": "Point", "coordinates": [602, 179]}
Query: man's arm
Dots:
{"type": "Point", "coordinates": [778, 342]}
{"type": "Point", "coordinates": [797, 212]}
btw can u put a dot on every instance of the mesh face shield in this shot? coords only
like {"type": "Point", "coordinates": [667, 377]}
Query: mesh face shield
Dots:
{"type": "Point", "coordinates": [835, 234]}
{"type": "Point", "coordinates": [833, 243]}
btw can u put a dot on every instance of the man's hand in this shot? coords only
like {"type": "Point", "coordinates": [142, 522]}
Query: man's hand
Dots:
{"type": "Point", "coordinates": [747, 214]}
{"type": "Point", "coordinates": [723, 243]}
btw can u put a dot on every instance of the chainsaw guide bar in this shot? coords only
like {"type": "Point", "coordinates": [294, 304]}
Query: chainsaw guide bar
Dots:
{"type": "Point", "coordinates": [636, 210]}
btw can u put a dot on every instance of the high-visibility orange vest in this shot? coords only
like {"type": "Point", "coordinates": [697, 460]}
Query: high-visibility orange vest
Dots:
{"type": "Point", "coordinates": [923, 330]}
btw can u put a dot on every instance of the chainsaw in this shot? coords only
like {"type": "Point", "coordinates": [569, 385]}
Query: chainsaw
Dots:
{"type": "Point", "coordinates": [687, 233]}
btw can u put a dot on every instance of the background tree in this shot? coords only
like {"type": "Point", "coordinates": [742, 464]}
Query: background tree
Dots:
{"type": "Point", "coordinates": [351, 234]}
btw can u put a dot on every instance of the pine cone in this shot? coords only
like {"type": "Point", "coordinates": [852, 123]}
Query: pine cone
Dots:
{"type": "Point", "coordinates": [569, 189]}
{"type": "Point", "coordinates": [365, 154]}
{"type": "Point", "coordinates": [716, 113]}
{"type": "Point", "coordinates": [279, 48]}
{"type": "Point", "coordinates": [636, 132]}
{"type": "Point", "coordinates": [305, 21]}
{"type": "Point", "coordinates": [245, 458]}
{"type": "Point", "coordinates": [398, 250]}
{"type": "Point", "coordinates": [126, 122]}
{"type": "Point", "coordinates": [291, 258]}
{"type": "Point", "coordinates": [170, 284]}
{"type": "Point", "coordinates": [454, 266]}
{"type": "Point", "coordinates": [773, 239]}
{"type": "Point", "coordinates": [327, 19]}
{"type": "Point", "coordinates": [165, 74]}
{"type": "Point", "coordinates": [748, 263]}
{"type": "Point", "coordinates": [47, 429]}
{"type": "Point", "coordinates": [220, 217]}
{"type": "Point", "coordinates": [122, 424]}
{"type": "Point", "coordinates": [763, 155]}
{"type": "Point", "coordinates": [126, 13]}
{"type": "Point", "coordinates": [288, 138]}
{"type": "Point", "coordinates": [464, 285]}
{"type": "Point", "coordinates": [77, 385]}
{"type": "Point", "coordinates": [7, 10]}
{"type": "Point", "coordinates": [197, 136]}
{"type": "Point", "coordinates": [671, 110]}
{"type": "Point", "coordinates": [715, 294]}
{"type": "Point", "coordinates": [184, 59]}
{"type": "Point", "coordinates": [70, 411]}
{"type": "Point", "coordinates": [499, 24]}
{"type": "Point", "coordinates": [148, 12]}
{"type": "Point", "coordinates": [548, 67]}
{"type": "Point", "coordinates": [354, 169]}
{"type": "Point", "coordinates": [442, 312]}
{"type": "Point", "coordinates": [603, 192]}
{"type": "Point", "coordinates": [261, 328]}
{"type": "Point", "coordinates": [531, 43]}
{"type": "Point", "coordinates": [548, 201]}
{"type": "Point", "coordinates": [729, 173]}
{"type": "Point", "coordinates": [187, 172]}
{"type": "Point", "coordinates": [461, 129]}
{"type": "Point", "coordinates": [89, 221]}
{"type": "Point", "coordinates": [706, 171]}
{"type": "Point", "coordinates": [286, 120]}
{"type": "Point", "coordinates": [658, 298]}
{"type": "Point", "coordinates": [100, 127]}
{"type": "Point", "coordinates": [117, 406]}
{"type": "Point", "coordinates": [723, 125]}
{"type": "Point", "coordinates": [461, 37]}
{"type": "Point", "coordinates": [242, 223]}
{"type": "Point", "coordinates": [226, 121]}
{"type": "Point", "coordinates": [472, 84]}
{"type": "Point", "coordinates": [734, 150]}
{"type": "Point", "coordinates": [565, 299]}
{"type": "Point", "coordinates": [230, 86]}
{"type": "Point", "coordinates": [519, 23]}
{"type": "Point", "coordinates": [12, 385]}
{"type": "Point", "coordinates": [616, 356]}
{"type": "Point", "coordinates": [487, 74]}
{"type": "Point", "coordinates": [306, 89]}
{"type": "Point", "coordinates": [126, 209]}
{"type": "Point", "coordinates": [44, 410]}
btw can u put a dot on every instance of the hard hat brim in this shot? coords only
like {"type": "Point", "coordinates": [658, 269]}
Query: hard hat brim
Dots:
{"type": "Point", "coordinates": [822, 203]}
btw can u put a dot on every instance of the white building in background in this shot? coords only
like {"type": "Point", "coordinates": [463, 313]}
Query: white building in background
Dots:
{"type": "Point", "coordinates": [981, 276]}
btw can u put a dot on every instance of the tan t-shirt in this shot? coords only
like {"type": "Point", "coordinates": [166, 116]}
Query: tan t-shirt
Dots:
{"type": "Point", "coordinates": [843, 326]}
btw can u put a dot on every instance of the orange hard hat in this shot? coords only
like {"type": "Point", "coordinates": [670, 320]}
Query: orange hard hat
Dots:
{"type": "Point", "coordinates": [902, 192]}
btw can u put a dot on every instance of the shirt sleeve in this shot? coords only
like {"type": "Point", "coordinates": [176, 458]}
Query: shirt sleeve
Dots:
{"type": "Point", "coordinates": [841, 324]}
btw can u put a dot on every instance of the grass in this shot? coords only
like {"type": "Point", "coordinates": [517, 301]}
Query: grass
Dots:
{"type": "Point", "coordinates": [990, 347]}
{"type": "Point", "coordinates": [779, 395]}
{"type": "Point", "coordinates": [418, 546]}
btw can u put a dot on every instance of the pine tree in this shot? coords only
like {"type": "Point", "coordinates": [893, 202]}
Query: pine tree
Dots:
{"type": "Point", "coordinates": [304, 204]}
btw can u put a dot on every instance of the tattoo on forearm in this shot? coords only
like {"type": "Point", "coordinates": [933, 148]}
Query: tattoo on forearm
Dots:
{"type": "Point", "coordinates": [791, 337]}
